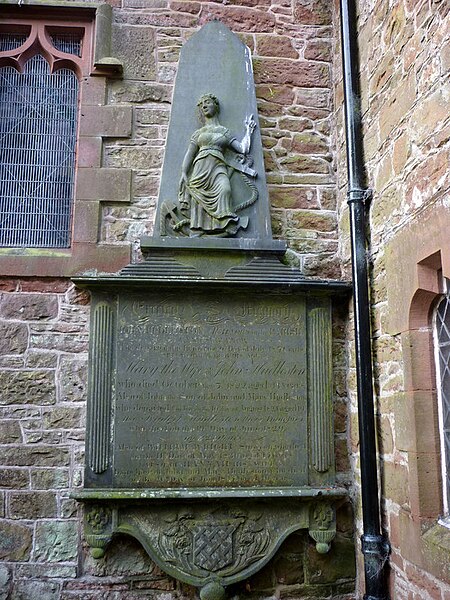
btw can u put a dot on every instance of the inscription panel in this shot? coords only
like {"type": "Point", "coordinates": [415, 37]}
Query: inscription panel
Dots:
{"type": "Point", "coordinates": [210, 391]}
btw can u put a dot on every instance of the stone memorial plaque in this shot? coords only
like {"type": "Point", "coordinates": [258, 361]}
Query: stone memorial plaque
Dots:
{"type": "Point", "coordinates": [210, 397]}
{"type": "Point", "coordinates": [210, 392]}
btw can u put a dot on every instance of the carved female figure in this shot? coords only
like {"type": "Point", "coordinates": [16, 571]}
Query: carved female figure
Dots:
{"type": "Point", "coordinates": [205, 187]}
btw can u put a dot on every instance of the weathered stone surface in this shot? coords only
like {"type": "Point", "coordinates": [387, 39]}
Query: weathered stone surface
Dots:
{"type": "Point", "coordinates": [135, 157]}
{"type": "Point", "coordinates": [27, 387]}
{"type": "Point", "coordinates": [315, 98]}
{"type": "Point", "coordinates": [32, 505]}
{"type": "Point", "coordinates": [72, 378]}
{"type": "Point", "coordinates": [63, 417]}
{"type": "Point", "coordinates": [41, 360]}
{"type": "Point", "coordinates": [327, 198]}
{"type": "Point", "coordinates": [317, 12]}
{"type": "Point", "coordinates": [397, 106]}
{"type": "Point", "coordinates": [139, 92]}
{"type": "Point", "coordinates": [308, 112]}
{"type": "Point", "coordinates": [318, 50]}
{"type": "Point", "coordinates": [104, 184]}
{"type": "Point", "coordinates": [240, 18]}
{"type": "Point", "coordinates": [430, 114]}
{"type": "Point", "coordinates": [13, 338]}
{"type": "Point", "coordinates": [10, 432]}
{"type": "Point", "coordinates": [395, 484]}
{"type": "Point", "coordinates": [14, 478]}
{"type": "Point", "coordinates": [49, 479]}
{"type": "Point", "coordinates": [36, 590]}
{"type": "Point", "coordinates": [299, 73]}
{"type": "Point", "coordinates": [135, 48]}
{"type": "Point", "coordinates": [68, 338]}
{"type": "Point", "coordinates": [295, 124]}
{"type": "Point", "coordinates": [124, 557]}
{"type": "Point", "coordinates": [299, 163]}
{"type": "Point", "coordinates": [152, 116]}
{"type": "Point", "coordinates": [288, 564]}
{"type": "Point", "coordinates": [278, 94]}
{"type": "Point", "coordinates": [56, 541]}
{"type": "Point", "coordinates": [293, 197]}
{"type": "Point", "coordinates": [46, 571]}
{"type": "Point", "coordinates": [106, 121]}
{"type": "Point", "coordinates": [309, 143]}
{"type": "Point", "coordinates": [277, 45]}
{"type": "Point", "coordinates": [38, 456]}
{"type": "Point", "coordinates": [46, 285]}
{"type": "Point", "coordinates": [337, 565]}
{"type": "Point", "coordinates": [157, 18]}
{"type": "Point", "coordinates": [15, 541]}
{"type": "Point", "coordinates": [90, 152]}
{"type": "Point", "coordinates": [323, 266]}
{"type": "Point", "coordinates": [5, 579]}
{"type": "Point", "coordinates": [29, 307]}
{"type": "Point", "coordinates": [190, 7]}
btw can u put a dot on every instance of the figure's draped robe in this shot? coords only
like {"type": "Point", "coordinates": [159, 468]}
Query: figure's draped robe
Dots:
{"type": "Point", "coordinates": [209, 182]}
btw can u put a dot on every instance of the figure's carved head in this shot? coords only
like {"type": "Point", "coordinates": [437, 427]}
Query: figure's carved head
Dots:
{"type": "Point", "coordinates": [208, 106]}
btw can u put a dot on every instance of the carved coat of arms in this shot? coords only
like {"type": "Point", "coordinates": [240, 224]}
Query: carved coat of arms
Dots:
{"type": "Point", "coordinates": [224, 546]}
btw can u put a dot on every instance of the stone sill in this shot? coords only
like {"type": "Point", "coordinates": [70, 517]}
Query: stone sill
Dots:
{"type": "Point", "coordinates": [438, 538]}
{"type": "Point", "coordinates": [80, 258]}
{"type": "Point", "coordinates": [210, 493]}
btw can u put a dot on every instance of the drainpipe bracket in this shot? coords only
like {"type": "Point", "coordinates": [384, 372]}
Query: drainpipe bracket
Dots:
{"type": "Point", "coordinates": [375, 546]}
{"type": "Point", "coordinates": [360, 195]}
{"type": "Point", "coordinates": [376, 550]}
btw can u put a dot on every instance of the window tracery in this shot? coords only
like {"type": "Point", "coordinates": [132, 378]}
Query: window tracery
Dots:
{"type": "Point", "coordinates": [40, 66]}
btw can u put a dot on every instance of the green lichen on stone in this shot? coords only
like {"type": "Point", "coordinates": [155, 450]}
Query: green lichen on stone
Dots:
{"type": "Point", "coordinates": [15, 542]}
{"type": "Point", "coordinates": [437, 543]}
{"type": "Point", "coordinates": [56, 541]}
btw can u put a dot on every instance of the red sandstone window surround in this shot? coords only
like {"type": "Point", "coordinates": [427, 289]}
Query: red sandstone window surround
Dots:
{"type": "Point", "coordinates": [40, 69]}
{"type": "Point", "coordinates": [414, 292]}
{"type": "Point", "coordinates": [50, 219]}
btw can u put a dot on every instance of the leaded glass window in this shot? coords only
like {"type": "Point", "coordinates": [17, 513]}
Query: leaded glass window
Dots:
{"type": "Point", "coordinates": [442, 338]}
{"type": "Point", "coordinates": [38, 126]}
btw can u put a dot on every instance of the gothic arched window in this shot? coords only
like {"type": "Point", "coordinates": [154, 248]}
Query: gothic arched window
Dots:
{"type": "Point", "coordinates": [442, 341]}
{"type": "Point", "coordinates": [38, 131]}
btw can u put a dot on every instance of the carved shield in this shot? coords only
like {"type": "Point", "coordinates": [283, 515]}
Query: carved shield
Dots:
{"type": "Point", "coordinates": [213, 546]}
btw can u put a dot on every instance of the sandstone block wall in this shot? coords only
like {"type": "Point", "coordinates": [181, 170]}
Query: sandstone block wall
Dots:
{"type": "Point", "coordinates": [404, 55]}
{"type": "Point", "coordinates": [44, 321]}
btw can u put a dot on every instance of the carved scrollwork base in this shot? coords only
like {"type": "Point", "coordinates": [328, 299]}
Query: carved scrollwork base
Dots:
{"type": "Point", "coordinates": [210, 544]}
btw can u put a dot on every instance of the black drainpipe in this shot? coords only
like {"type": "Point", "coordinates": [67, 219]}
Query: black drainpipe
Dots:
{"type": "Point", "coordinates": [375, 547]}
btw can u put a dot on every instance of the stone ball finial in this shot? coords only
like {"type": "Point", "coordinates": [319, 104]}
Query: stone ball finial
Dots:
{"type": "Point", "coordinates": [212, 591]}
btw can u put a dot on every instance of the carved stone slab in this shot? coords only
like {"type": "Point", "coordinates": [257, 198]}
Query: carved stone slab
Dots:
{"type": "Point", "coordinates": [215, 61]}
{"type": "Point", "coordinates": [223, 542]}
{"type": "Point", "coordinates": [202, 400]}
{"type": "Point", "coordinates": [204, 389]}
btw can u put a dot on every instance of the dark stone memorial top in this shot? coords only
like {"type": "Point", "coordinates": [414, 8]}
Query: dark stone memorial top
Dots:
{"type": "Point", "coordinates": [213, 186]}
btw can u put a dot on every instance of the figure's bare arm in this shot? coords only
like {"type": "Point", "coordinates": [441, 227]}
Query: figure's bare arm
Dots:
{"type": "Point", "coordinates": [243, 147]}
{"type": "Point", "coordinates": [187, 162]}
